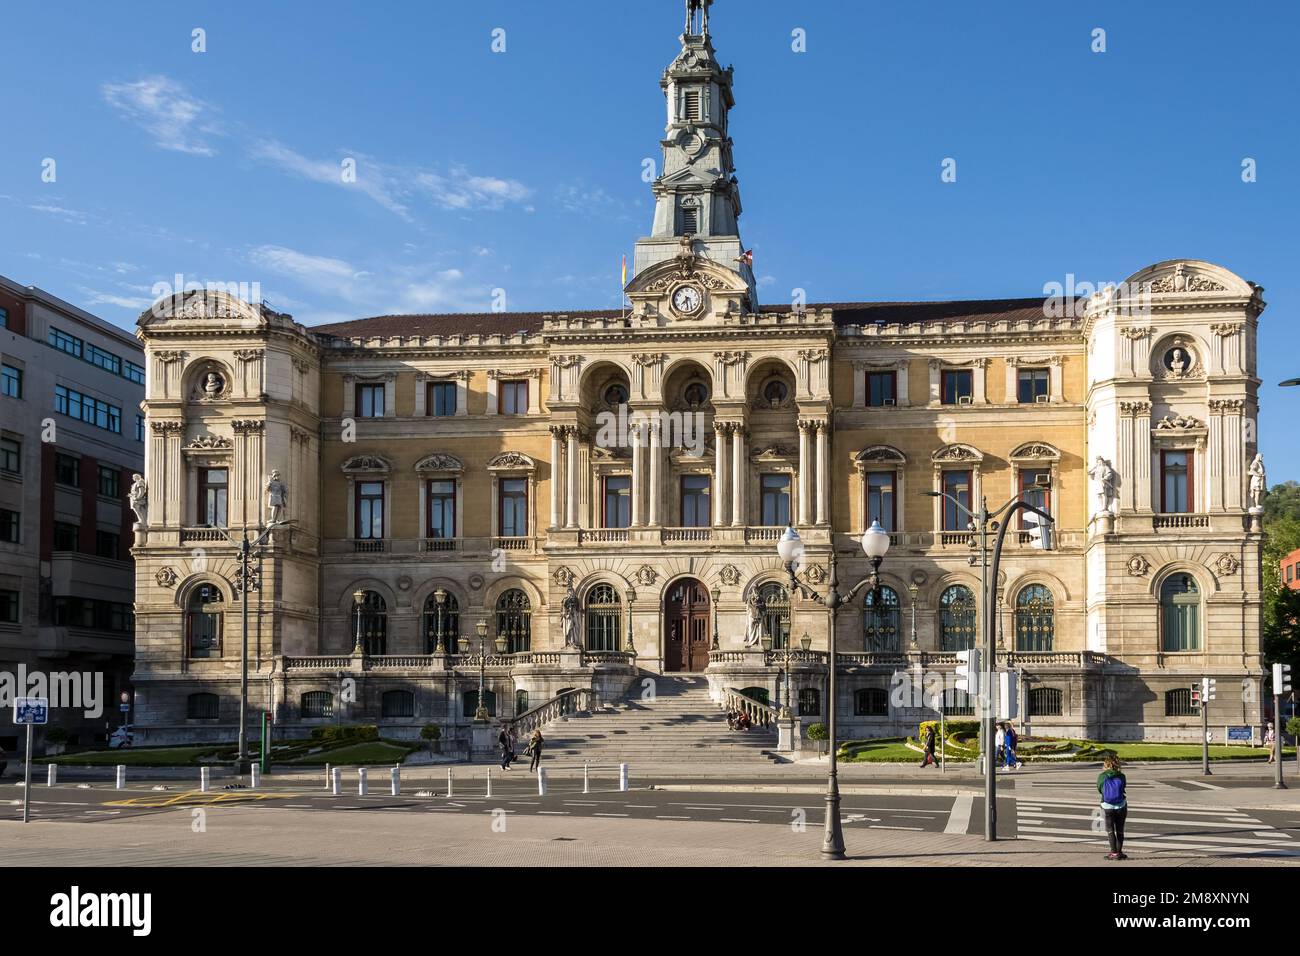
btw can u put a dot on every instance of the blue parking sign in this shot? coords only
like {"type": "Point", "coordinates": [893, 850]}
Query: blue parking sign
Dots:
{"type": "Point", "coordinates": [31, 710]}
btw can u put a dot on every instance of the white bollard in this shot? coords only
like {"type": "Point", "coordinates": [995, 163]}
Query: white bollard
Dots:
{"type": "Point", "coordinates": [205, 779]}
{"type": "Point", "coordinates": [328, 776]}
{"type": "Point", "coordinates": [396, 774]}
{"type": "Point", "coordinates": [449, 783]}
{"type": "Point", "coordinates": [586, 780]}
{"type": "Point", "coordinates": [622, 777]}
{"type": "Point", "coordinates": [52, 775]}
{"type": "Point", "coordinates": [362, 784]}
{"type": "Point", "coordinates": [336, 781]}
{"type": "Point", "coordinates": [541, 782]}
{"type": "Point", "coordinates": [255, 776]}
{"type": "Point", "coordinates": [121, 776]}
{"type": "Point", "coordinates": [489, 782]}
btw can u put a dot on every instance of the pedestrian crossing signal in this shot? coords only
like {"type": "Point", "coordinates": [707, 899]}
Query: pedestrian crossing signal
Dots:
{"type": "Point", "coordinates": [1207, 689]}
{"type": "Point", "coordinates": [1281, 678]}
{"type": "Point", "coordinates": [1196, 695]}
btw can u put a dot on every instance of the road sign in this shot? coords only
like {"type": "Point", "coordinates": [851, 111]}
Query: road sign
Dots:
{"type": "Point", "coordinates": [1241, 733]}
{"type": "Point", "coordinates": [32, 710]}
{"type": "Point", "coordinates": [124, 708]}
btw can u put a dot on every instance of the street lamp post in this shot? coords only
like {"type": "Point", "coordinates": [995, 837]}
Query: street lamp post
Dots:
{"type": "Point", "coordinates": [358, 599]}
{"type": "Point", "coordinates": [440, 602]}
{"type": "Point", "coordinates": [716, 594]}
{"type": "Point", "coordinates": [875, 544]}
{"type": "Point", "coordinates": [481, 712]}
{"type": "Point", "coordinates": [913, 590]}
{"type": "Point", "coordinates": [983, 524]}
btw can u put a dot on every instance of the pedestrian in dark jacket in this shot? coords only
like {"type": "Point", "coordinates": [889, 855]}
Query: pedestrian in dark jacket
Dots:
{"type": "Point", "coordinates": [1112, 786]}
{"type": "Point", "coordinates": [507, 747]}
{"type": "Point", "coordinates": [535, 742]}
{"type": "Point", "coordinates": [928, 743]}
{"type": "Point", "coordinates": [1009, 741]}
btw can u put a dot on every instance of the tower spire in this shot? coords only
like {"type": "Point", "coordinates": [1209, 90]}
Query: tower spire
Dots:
{"type": "Point", "coordinates": [697, 193]}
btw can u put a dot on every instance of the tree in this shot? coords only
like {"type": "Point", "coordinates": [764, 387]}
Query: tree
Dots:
{"type": "Point", "coordinates": [1281, 612]}
{"type": "Point", "coordinates": [1282, 501]}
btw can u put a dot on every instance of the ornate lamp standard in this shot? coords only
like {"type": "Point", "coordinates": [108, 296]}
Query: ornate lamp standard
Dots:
{"type": "Point", "coordinates": [716, 594]}
{"type": "Point", "coordinates": [440, 602]}
{"type": "Point", "coordinates": [913, 590]}
{"type": "Point", "coordinates": [875, 544]}
{"type": "Point", "coordinates": [358, 599]}
{"type": "Point", "coordinates": [481, 712]}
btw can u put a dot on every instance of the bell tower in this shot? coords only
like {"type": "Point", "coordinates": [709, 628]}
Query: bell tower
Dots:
{"type": "Point", "coordinates": [697, 194]}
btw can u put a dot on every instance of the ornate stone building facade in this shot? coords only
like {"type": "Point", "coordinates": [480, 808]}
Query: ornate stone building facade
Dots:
{"type": "Point", "coordinates": [603, 490]}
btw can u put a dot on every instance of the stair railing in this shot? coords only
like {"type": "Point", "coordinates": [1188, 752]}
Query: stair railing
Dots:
{"type": "Point", "coordinates": [759, 713]}
{"type": "Point", "coordinates": [577, 701]}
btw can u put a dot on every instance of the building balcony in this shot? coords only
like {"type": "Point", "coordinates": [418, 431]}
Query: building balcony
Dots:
{"type": "Point", "coordinates": [1161, 522]}
{"type": "Point", "coordinates": [412, 547]}
{"type": "Point", "coordinates": [901, 660]}
{"type": "Point", "coordinates": [460, 664]}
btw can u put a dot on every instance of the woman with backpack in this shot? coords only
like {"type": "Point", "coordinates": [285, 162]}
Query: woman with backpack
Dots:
{"type": "Point", "coordinates": [1009, 741]}
{"type": "Point", "coordinates": [1112, 785]}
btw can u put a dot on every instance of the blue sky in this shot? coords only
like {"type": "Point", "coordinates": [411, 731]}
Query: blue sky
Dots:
{"type": "Point", "coordinates": [522, 170]}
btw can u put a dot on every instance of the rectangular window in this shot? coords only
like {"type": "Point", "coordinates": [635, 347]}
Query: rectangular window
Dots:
{"type": "Point", "coordinates": [370, 509]}
{"type": "Point", "coordinates": [880, 388]}
{"type": "Point", "coordinates": [957, 388]}
{"type": "Point", "coordinates": [695, 501]}
{"type": "Point", "coordinates": [67, 470]}
{"type": "Point", "coordinates": [9, 607]}
{"type": "Point", "coordinates": [139, 428]}
{"type": "Point", "coordinates": [1176, 482]}
{"type": "Point", "coordinates": [64, 342]}
{"type": "Point", "coordinates": [442, 509]}
{"type": "Point", "coordinates": [4, 318]}
{"type": "Point", "coordinates": [616, 511]}
{"type": "Point", "coordinates": [70, 402]}
{"type": "Point", "coordinates": [1031, 385]}
{"type": "Point", "coordinates": [213, 487]}
{"type": "Point", "coordinates": [11, 526]}
{"type": "Point", "coordinates": [370, 401]}
{"type": "Point", "coordinates": [107, 544]}
{"type": "Point", "coordinates": [133, 372]}
{"type": "Point", "coordinates": [514, 507]}
{"type": "Point", "coordinates": [881, 499]}
{"type": "Point", "coordinates": [1041, 497]}
{"type": "Point", "coordinates": [514, 398]}
{"type": "Point", "coordinates": [11, 381]}
{"type": "Point", "coordinates": [11, 456]}
{"type": "Point", "coordinates": [1178, 703]}
{"type": "Point", "coordinates": [441, 398]}
{"type": "Point", "coordinates": [958, 485]}
{"type": "Point", "coordinates": [105, 360]}
{"type": "Point", "coordinates": [109, 482]}
{"type": "Point", "coordinates": [775, 499]}
{"type": "Point", "coordinates": [67, 536]}
{"type": "Point", "coordinates": [1289, 568]}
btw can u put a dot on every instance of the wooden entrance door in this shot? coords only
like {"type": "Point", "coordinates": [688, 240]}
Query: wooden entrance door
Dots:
{"type": "Point", "coordinates": [688, 632]}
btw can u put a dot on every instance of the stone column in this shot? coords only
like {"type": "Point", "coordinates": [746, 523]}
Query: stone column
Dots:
{"type": "Point", "coordinates": [823, 470]}
{"type": "Point", "coordinates": [634, 436]}
{"type": "Point", "coordinates": [805, 472]}
{"type": "Point", "coordinates": [1142, 455]}
{"type": "Point", "coordinates": [1215, 444]}
{"type": "Point", "coordinates": [719, 474]}
{"type": "Point", "coordinates": [571, 464]}
{"type": "Point", "coordinates": [557, 474]}
{"type": "Point", "coordinates": [738, 469]}
{"type": "Point", "coordinates": [655, 455]}
{"type": "Point", "coordinates": [1234, 454]}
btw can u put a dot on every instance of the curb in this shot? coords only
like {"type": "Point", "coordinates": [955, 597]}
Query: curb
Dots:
{"type": "Point", "coordinates": [848, 789]}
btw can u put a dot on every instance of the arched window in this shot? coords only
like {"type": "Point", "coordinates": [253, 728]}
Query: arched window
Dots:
{"type": "Point", "coordinates": [370, 620]}
{"type": "Point", "coordinates": [604, 618]}
{"type": "Point", "coordinates": [1035, 619]}
{"type": "Point", "coordinates": [203, 619]}
{"type": "Point", "coordinates": [810, 702]}
{"type": "Point", "coordinates": [1045, 702]}
{"type": "Point", "coordinates": [956, 619]}
{"type": "Point", "coordinates": [470, 703]}
{"type": "Point", "coordinates": [317, 703]}
{"type": "Point", "coordinates": [441, 625]}
{"type": "Point", "coordinates": [871, 702]}
{"type": "Point", "coordinates": [397, 703]}
{"type": "Point", "coordinates": [774, 602]}
{"type": "Point", "coordinates": [880, 619]}
{"type": "Point", "coordinates": [201, 707]}
{"type": "Point", "coordinates": [1180, 614]}
{"type": "Point", "coordinates": [514, 620]}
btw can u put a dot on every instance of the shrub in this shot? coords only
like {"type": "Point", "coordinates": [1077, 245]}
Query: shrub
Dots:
{"type": "Point", "coordinates": [955, 728]}
{"type": "Point", "coordinates": [342, 734]}
{"type": "Point", "coordinates": [817, 732]}
{"type": "Point", "coordinates": [431, 732]}
{"type": "Point", "coordinates": [1293, 726]}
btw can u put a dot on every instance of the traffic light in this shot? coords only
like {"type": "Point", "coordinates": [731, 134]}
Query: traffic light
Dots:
{"type": "Point", "coordinates": [1207, 689]}
{"type": "Point", "coordinates": [1008, 695]}
{"type": "Point", "coordinates": [1281, 678]}
{"type": "Point", "coordinates": [968, 671]}
{"type": "Point", "coordinates": [1196, 695]}
{"type": "Point", "coordinates": [1039, 531]}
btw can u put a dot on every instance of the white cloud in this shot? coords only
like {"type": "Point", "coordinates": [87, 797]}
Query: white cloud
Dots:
{"type": "Point", "coordinates": [108, 298]}
{"type": "Point", "coordinates": [162, 107]}
{"type": "Point", "coordinates": [370, 177]}
{"type": "Point", "coordinates": [70, 215]}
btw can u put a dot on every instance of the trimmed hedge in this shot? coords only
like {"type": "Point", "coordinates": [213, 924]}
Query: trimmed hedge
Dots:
{"type": "Point", "coordinates": [344, 733]}
{"type": "Point", "coordinates": [955, 728]}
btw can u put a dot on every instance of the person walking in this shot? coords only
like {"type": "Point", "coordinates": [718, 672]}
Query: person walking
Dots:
{"type": "Point", "coordinates": [999, 743]}
{"type": "Point", "coordinates": [1270, 739]}
{"type": "Point", "coordinates": [535, 742]}
{"type": "Point", "coordinates": [927, 741]}
{"type": "Point", "coordinates": [1009, 740]}
{"type": "Point", "coordinates": [507, 748]}
{"type": "Point", "coordinates": [1112, 786]}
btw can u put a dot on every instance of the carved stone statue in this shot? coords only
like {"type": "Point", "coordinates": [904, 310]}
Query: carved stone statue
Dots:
{"type": "Point", "coordinates": [754, 612]}
{"type": "Point", "coordinates": [277, 494]}
{"type": "Point", "coordinates": [1177, 361]}
{"type": "Point", "coordinates": [569, 615]}
{"type": "Point", "coordinates": [213, 385]}
{"type": "Point", "coordinates": [1107, 479]}
{"type": "Point", "coordinates": [138, 497]}
{"type": "Point", "coordinates": [1258, 484]}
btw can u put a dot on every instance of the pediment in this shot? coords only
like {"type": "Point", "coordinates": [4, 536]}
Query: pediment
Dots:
{"type": "Point", "coordinates": [207, 307]}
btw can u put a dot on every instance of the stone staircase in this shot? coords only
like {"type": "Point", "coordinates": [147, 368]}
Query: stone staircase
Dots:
{"type": "Point", "coordinates": [681, 724]}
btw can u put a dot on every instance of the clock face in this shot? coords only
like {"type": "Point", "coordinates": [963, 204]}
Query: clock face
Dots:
{"type": "Point", "coordinates": [687, 299]}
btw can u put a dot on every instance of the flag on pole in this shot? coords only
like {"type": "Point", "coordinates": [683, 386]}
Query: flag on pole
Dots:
{"type": "Point", "coordinates": [746, 258]}
{"type": "Point", "coordinates": [625, 271]}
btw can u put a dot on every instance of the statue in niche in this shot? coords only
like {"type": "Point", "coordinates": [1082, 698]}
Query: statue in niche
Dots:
{"type": "Point", "coordinates": [1107, 479]}
{"type": "Point", "coordinates": [213, 385]}
{"type": "Point", "coordinates": [277, 495]}
{"type": "Point", "coordinates": [754, 613]}
{"type": "Point", "coordinates": [569, 616]}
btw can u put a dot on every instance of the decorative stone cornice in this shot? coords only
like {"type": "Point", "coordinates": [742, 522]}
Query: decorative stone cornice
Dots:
{"type": "Point", "coordinates": [1224, 329]}
{"type": "Point", "coordinates": [650, 358]}
{"type": "Point", "coordinates": [243, 425]}
{"type": "Point", "coordinates": [439, 461]}
{"type": "Point", "coordinates": [248, 355]}
{"type": "Point", "coordinates": [209, 443]}
{"type": "Point", "coordinates": [1135, 408]}
{"type": "Point", "coordinates": [169, 355]}
{"type": "Point", "coordinates": [1135, 332]}
{"type": "Point", "coordinates": [1179, 423]}
{"type": "Point", "coordinates": [1182, 281]}
{"type": "Point", "coordinates": [733, 358]}
{"type": "Point", "coordinates": [1227, 405]}
{"type": "Point", "coordinates": [511, 461]}
{"type": "Point", "coordinates": [167, 427]}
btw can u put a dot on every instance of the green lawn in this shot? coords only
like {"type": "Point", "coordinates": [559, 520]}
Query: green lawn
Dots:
{"type": "Point", "coordinates": [135, 757]}
{"type": "Point", "coordinates": [881, 751]}
{"type": "Point", "coordinates": [1143, 751]}
{"type": "Point", "coordinates": [365, 752]}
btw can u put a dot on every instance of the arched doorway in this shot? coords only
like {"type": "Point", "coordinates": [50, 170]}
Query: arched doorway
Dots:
{"type": "Point", "coordinates": [688, 632]}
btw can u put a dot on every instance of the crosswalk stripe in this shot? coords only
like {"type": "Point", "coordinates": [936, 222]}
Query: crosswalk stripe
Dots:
{"type": "Point", "coordinates": [1229, 813]}
{"type": "Point", "coordinates": [1146, 841]}
{"type": "Point", "coordinates": [1225, 824]}
{"type": "Point", "coordinates": [1202, 783]}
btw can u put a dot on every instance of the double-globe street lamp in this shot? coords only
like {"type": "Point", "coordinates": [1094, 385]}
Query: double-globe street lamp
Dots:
{"type": "Point", "coordinates": [875, 544]}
